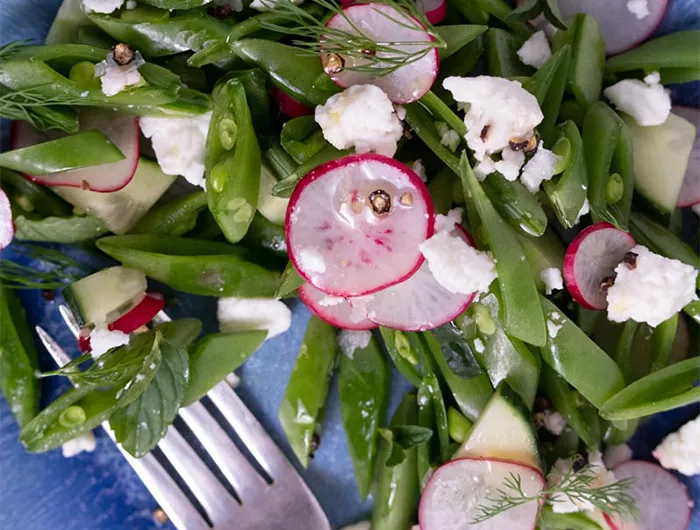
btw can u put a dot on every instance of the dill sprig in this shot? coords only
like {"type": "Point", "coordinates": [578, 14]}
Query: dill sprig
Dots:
{"type": "Point", "coordinates": [52, 270]}
{"type": "Point", "coordinates": [359, 52]}
{"type": "Point", "coordinates": [575, 486]}
{"type": "Point", "coordinates": [27, 104]}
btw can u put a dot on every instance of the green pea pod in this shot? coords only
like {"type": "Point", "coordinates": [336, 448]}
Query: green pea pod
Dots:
{"type": "Point", "coordinates": [232, 162]}
{"type": "Point", "coordinates": [216, 356]}
{"type": "Point", "coordinates": [302, 138]}
{"type": "Point", "coordinates": [571, 110]}
{"type": "Point", "coordinates": [192, 265]}
{"type": "Point", "coordinates": [441, 112]}
{"type": "Point", "coordinates": [173, 218]}
{"type": "Point", "coordinates": [456, 37]}
{"type": "Point", "coordinates": [666, 389]}
{"type": "Point", "coordinates": [587, 58]}
{"type": "Point", "coordinates": [622, 165]}
{"type": "Point", "coordinates": [298, 74]}
{"type": "Point", "coordinates": [625, 348]}
{"type": "Point", "coordinates": [363, 387]}
{"type": "Point", "coordinates": [679, 50]}
{"type": "Point", "coordinates": [327, 153]}
{"type": "Point", "coordinates": [424, 452]}
{"type": "Point", "coordinates": [679, 75]}
{"type": "Point", "coordinates": [423, 125]}
{"type": "Point", "coordinates": [503, 61]}
{"type": "Point", "coordinates": [577, 359]}
{"type": "Point", "coordinates": [516, 204]}
{"type": "Point", "coordinates": [408, 353]}
{"type": "Point", "coordinates": [255, 85]}
{"type": "Point", "coordinates": [302, 406]}
{"type": "Point", "coordinates": [472, 12]}
{"type": "Point", "coordinates": [566, 521]}
{"type": "Point", "coordinates": [459, 426]}
{"type": "Point", "coordinates": [522, 313]}
{"type": "Point", "coordinates": [290, 282]}
{"type": "Point", "coordinates": [396, 494]}
{"type": "Point", "coordinates": [279, 160]}
{"type": "Point", "coordinates": [542, 253]}
{"type": "Point", "coordinates": [525, 11]}
{"type": "Point", "coordinates": [430, 388]}
{"type": "Point", "coordinates": [73, 229]}
{"type": "Point", "coordinates": [501, 10]}
{"type": "Point", "coordinates": [567, 192]}
{"type": "Point", "coordinates": [266, 237]}
{"type": "Point", "coordinates": [85, 149]}
{"type": "Point", "coordinates": [662, 339]}
{"type": "Point", "coordinates": [18, 360]}
{"type": "Point", "coordinates": [92, 36]}
{"type": "Point", "coordinates": [194, 78]}
{"type": "Point", "coordinates": [33, 197]}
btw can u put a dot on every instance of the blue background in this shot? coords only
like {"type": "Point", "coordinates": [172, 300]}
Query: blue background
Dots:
{"type": "Point", "coordinates": [100, 491]}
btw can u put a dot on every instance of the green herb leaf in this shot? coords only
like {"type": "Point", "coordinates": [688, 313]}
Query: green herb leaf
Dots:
{"type": "Point", "coordinates": [402, 438]}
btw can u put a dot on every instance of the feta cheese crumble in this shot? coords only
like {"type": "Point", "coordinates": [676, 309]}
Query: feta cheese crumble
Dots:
{"type": "Point", "coordinates": [102, 6]}
{"type": "Point", "coordinates": [639, 8]}
{"type": "Point", "coordinates": [510, 163]}
{"type": "Point", "coordinates": [561, 503]}
{"type": "Point", "coordinates": [539, 168]}
{"type": "Point", "coordinates": [419, 169]}
{"type": "Point", "coordinates": [179, 144]}
{"type": "Point", "coordinates": [445, 223]}
{"type": "Point", "coordinates": [239, 314]}
{"type": "Point", "coordinates": [499, 110]}
{"type": "Point", "coordinates": [457, 266]}
{"type": "Point", "coordinates": [535, 51]}
{"type": "Point", "coordinates": [350, 340]}
{"type": "Point", "coordinates": [617, 454]}
{"type": "Point", "coordinates": [102, 340]}
{"type": "Point", "coordinates": [681, 450]}
{"type": "Point", "coordinates": [653, 291]}
{"type": "Point", "coordinates": [646, 101]}
{"type": "Point", "coordinates": [554, 422]}
{"type": "Point", "coordinates": [85, 443]}
{"type": "Point", "coordinates": [115, 78]}
{"type": "Point", "coordinates": [552, 280]}
{"type": "Point", "coordinates": [484, 168]}
{"type": "Point", "coordinates": [362, 117]}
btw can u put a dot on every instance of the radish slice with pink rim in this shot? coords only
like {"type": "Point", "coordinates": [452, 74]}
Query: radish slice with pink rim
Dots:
{"type": "Point", "coordinates": [454, 493]}
{"type": "Point", "coordinates": [289, 106]}
{"type": "Point", "coordinates": [333, 309]}
{"type": "Point", "coordinates": [592, 256]}
{"type": "Point", "coordinates": [689, 194]}
{"type": "Point", "coordinates": [7, 227]}
{"type": "Point", "coordinates": [419, 303]}
{"type": "Point", "coordinates": [661, 498]}
{"type": "Point", "coordinates": [354, 224]}
{"type": "Point", "coordinates": [120, 129]}
{"type": "Point", "coordinates": [405, 84]}
{"type": "Point", "coordinates": [435, 10]}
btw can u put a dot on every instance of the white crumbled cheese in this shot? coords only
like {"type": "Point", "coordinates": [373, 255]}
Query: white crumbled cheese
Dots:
{"type": "Point", "coordinates": [639, 8]}
{"type": "Point", "coordinates": [510, 163]}
{"type": "Point", "coordinates": [102, 340]}
{"type": "Point", "coordinates": [539, 168]}
{"type": "Point", "coordinates": [602, 477]}
{"type": "Point", "coordinates": [419, 169]}
{"type": "Point", "coordinates": [552, 280]}
{"type": "Point", "coordinates": [362, 117]}
{"type": "Point", "coordinates": [329, 301]}
{"type": "Point", "coordinates": [535, 51]}
{"type": "Point", "coordinates": [267, 5]}
{"type": "Point", "coordinates": [585, 208]}
{"type": "Point", "coordinates": [233, 380]}
{"type": "Point", "coordinates": [479, 346]}
{"type": "Point", "coordinates": [351, 340]}
{"type": "Point", "coordinates": [554, 422]}
{"type": "Point", "coordinates": [553, 328]}
{"type": "Point", "coordinates": [653, 291]}
{"type": "Point", "coordinates": [115, 78]}
{"type": "Point", "coordinates": [445, 223]}
{"type": "Point", "coordinates": [238, 314]}
{"type": "Point", "coordinates": [102, 6]}
{"type": "Point", "coordinates": [85, 443]}
{"type": "Point", "coordinates": [484, 168]}
{"type": "Point", "coordinates": [646, 101]}
{"type": "Point", "coordinates": [499, 110]}
{"type": "Point", "coordinates": [681, 450]}
{"type": "Point", "coordinates": [457, 266]}
{"type": "Point", "coordinates": [617, 454]}
{"type": "Point", "coordinates": [311, 261]}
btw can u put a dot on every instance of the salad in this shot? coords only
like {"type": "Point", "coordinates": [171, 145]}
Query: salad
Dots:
{"type": "Point", "coordinates": [488, 198]}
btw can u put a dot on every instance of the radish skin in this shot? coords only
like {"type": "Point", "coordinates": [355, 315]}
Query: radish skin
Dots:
{"type": "Point", "coordinates": [336, 311]}
{"type": "Point", "coordinates": [289, 106]}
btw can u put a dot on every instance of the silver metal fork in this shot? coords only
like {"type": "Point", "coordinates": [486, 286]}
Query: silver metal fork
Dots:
{"type": "Point", "coordinates": [285, 504]}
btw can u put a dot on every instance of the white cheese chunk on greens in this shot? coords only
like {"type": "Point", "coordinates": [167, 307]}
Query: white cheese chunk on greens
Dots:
{"type": "Point", "coordinates": [102, 6]}
{"type": "Point", "coordinates": [535, 51]}
{"type": "Point", "coordinates": [350, 340]}
{"type": "Point", "coordinates": [445, 223]}
{"type": "Point", "coordinates": [484, 168]}
{"type": "Point", "coordinates": [539, 168]}
{"type": "Point", "coordinates": [510, 163]}
{"type": "Point", "coordinates": [241, 314]}
{"type": "Point", "coordinates": [681, 450]}
{"type": "Point", "coordinates": [102, 340]}
{"type": "Point", "coordinates": [554, 422]}
{"type": "Point", "coordinates": [552, 279]}
{"type": "Point", "coordinates": [115, 78]}
{"type": "Point", "coordinates": [419, 169]}
{"type": "Point", "coordinates": [646, 101]}
{"type": "Point", "coordinates": [84, 443]}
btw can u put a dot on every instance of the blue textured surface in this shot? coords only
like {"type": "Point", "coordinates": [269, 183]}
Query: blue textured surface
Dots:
{"type": "Point", "coordinates": [100, 491]}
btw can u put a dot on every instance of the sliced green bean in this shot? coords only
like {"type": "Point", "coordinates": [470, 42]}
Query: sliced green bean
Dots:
{"type": "Point", "coordinates": [174, 218]}
{"type": "Point", "coordinates": [456, 37]}
{"type": "Point", "coordinates": [74, 229]}
{"type": "Point", "coordinates": [327, 153]}
{"type": "Point", "coordinates": [302, 138]}
{"type": "Point", "coordinates": [675, 50]}
{"type": "Point", "coordinates": [32, 197]}
{"type": "Point", "coordinates": [662, 339]}
{"type": "Point", "coordinates": [503, 61]}
{"type": "Point", "coordinates": [430, 387]}
{"type": "Point", "coordinates": [516, 204]}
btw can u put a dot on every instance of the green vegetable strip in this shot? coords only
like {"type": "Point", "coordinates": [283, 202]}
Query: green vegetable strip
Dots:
{"type": "Point", "coordinates": [430, 387]}
{"type": "Point", "coordinates": [501, 10]}
{"type": "Point", "coordinates": [458, 425]}
{"type": "Point", "coordinates": [625, 346]}
{"type": "Point", "coordinates": [662, 340]}
{"type": "Point", "coordinates": [302, 138]}
{"type": "Point", "coordinates": [402, 354]}
{"type": "Point", "coordinates": [327, 153]}
{"type": "Point", "coordinates": [174, 218]}
{"type": "Point", "coordinates": [424, 451]}
{"type": "Point", "coordinates": [503, 61]}
{"type": "Point", "coordinates": [73, 229]}
{"type": "Point", "coordinates": [676, 50]}
{"type": "Point", "coordinates": [516, 204]}
{"type": "Point", "coordinates": [456, 37]}
{"type": "Point", "coordinates": [441, 112]}
{"type": "Point", "coordinates": [290, 282]}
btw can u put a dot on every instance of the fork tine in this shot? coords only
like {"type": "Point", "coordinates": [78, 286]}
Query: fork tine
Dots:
{"type": "Point", "coordinates": [70, 320]}
{"type": "Point", "coordinates": [59, 356]}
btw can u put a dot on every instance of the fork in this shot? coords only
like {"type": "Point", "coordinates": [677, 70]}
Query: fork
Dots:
{"type": "Point", "coordinates": [285, 504]}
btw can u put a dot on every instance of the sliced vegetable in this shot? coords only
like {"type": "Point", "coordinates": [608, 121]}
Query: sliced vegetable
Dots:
{"type": "Point", "coordinates": [673, 51]}
{"type": "Point", "coordinates": [503, 60]}
{"type": "Point", "coordinates": [174, 218]}
{"type": "Point", "coordinates": [73, 229]}
{"type": "Point", "coordinates": [334, 309]}
{"type": "Point", "coordinates": [690, 190]}
{"type": "Point", "coordinates": [288, 105]}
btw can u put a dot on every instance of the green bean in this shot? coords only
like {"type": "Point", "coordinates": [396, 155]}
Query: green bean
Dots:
{"type": "Point", "coordinates": [441, 112]}
{"type": "Point", "coordinates": [430, 388]}
{"type": "Point", "coordinates": [625, 347]}
{"type": "Point", "coordinates": [255, 84]}
{"type": "Point", "coordinates": [267, 237]}
{"type": "Point", "coordinates": [424, 452]}
{"type": "Point", "coordinates": [503, 61]}
{"type": "Point", "coordinates": [290, 282]}
{"type": "Point", "coordinates": [677, 50]}
{"type": "Point", "coordinates": [662, 339]}
{"type": "Point", "coordinates": [232, 162]}
{"type": "Point", "coordinates": [456, 37]}
{"type": "Point", "coordinates": [327, 153]}
{"type": "Point", "coordinates": [363, 388]}
{"type": "Point", "coordinates": [174, 218]}
{"type": "Point", "coordinates": [74, 229]}
{"type": "Point", "coordinates": [192, 265]}
{"type": "Point", "coordinates": [33, 197]}
{"type": "Point", "coordinates": [302, 138]}
{"type": "Point", "coordinates": [302, 407]}
{"type": "Point", "coordinates": [542, 253]}
{"type": "Point", "coordinates": [216, 356]}
{"type": "Point", "coordinates": [516, 204]}
{"type": "Point", "coordinates": [458, 425]}
{"type": "Point", "coordinates": [501, 10]}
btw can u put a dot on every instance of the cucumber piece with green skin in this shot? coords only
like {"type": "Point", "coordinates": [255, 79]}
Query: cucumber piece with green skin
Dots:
{"type": "Point", "coordinates": [103, 297]}
{"type": "Point", "coordinates": [504, 430]}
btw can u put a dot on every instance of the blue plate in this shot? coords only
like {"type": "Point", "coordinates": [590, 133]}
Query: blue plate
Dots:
{"type": "Point", "coordinates": [100, 491]}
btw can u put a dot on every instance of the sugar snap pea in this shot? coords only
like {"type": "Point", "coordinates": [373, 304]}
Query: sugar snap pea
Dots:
{"type": "Point", "coordinates": [501, 10]}
{"type": "Point", "coordinates": [662, 339]}
{"type": "Point", "coordinates": [174, 218]}
{"type": "Point", "coordinates": [302, 138]}
{"type": "Point", "coordinates": [625, 348]}
{"type": "Point", "coordinates": [425, 452]}
{"type": "Point", "coordinates": [266, 237]}
{"type": "Point", "coordinates": [327, 153]}
{"type": "Point", "coordinates": [456, 37]}
{"type": "Point", "coordinates": [73, 229]}
{"type": "Point", "coordinates": [542, 253]}
{"type": "Point", "coordinates": [503, 60]}
{"type": "Point", "coordinates": [430, 389]}
{"type": "Point", "coordinates": [175, 4]}
{"type": "Point", "coordinates": [254, 83]}
{"type": "Point", "coordinates": [441, 112]}
{"type": "Point", "coordinates": [516, 204]}
{"type": "Point", "coordinates": [32, 197]}
{"type": "Point", "coordinates": [408, 353]}
{"type": "Point", "coordinates": [471, 11]}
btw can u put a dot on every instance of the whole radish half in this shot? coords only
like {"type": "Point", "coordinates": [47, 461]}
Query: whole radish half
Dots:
{"type": "Point", "coordinates": [354, 224]}
{"type": "Point", "coordinates": [384, 24]}
{"type": "Point", "coordinates": [7, 227]}
{"type": "Point", "coordinates": [435, 10]}
{"type": "Point", "coordinates": [661, 498]}
{"type": "Point", "coordinates": [417, 304]}
{"type": "Point", "coordinates": [591, 257]}
{"type": "Point", "coordinates": [621, 28]}
{"type": "Point", "coordinates": [333, 309]}
{"type": "Point", "coordinates": [290, 107]}
{"type": "Point", "coordinates": [690, 191]}
{"type": "Point", "coordinates": [120, 129]}
{"type": "Point", "coordinates": [456, 491]}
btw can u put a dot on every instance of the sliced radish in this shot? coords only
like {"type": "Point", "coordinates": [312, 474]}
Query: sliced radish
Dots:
{"type": "Point", "coordinates": [435, 10]}
{"type": "Point", "coordinates": [289, 106]}
{"type": "Point", "coordinates": [661, 498]}
{"type": "Point", "coordinates": [591, 257]}
{"type": "Point", "coordinates": [621, 28]}
{"type": "Point", "coordinates": [333, 309]}
{"type": "Point", "coordinates": [454, 493]}
{"type": "Point", "coordinates": [7, 227]}
{"type": "Point", "coordinates": [383, 23]}
{"type": "Point", "coordinates": [690, 190]}
{"type": "Point", "coordinates": [354, 224]}
{"type": "Point", "coordinates": [120, 129]}
{"type": "Point", "coordinates": [417, 304]}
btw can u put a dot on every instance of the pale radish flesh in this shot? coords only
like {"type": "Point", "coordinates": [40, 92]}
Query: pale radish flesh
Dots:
{"type": "Point", "coordinates": [661, 498]}
{"type": "Point", "coordinates": [7, 227]}
{"type": "Point", "coordinates": [456, 491]}
{"type": "Point", "coordinates": [405, 84]}
{"type": "Point", "coordinates": [689, 194]}
{"type": "Point", "coordinates": [435, 10]}
{"type": "Point", "coordinates": [621, 28]}
{"type": "Point", "coordinates": [289, 106]}
{"type": "Point", "coordinates": [419, 303]}
{"type": "Point", "coordinates": [591, 257]}
{"type": "Point", "coordinates": [333, 309]}
{"type": "Point", "coordinates": [354, 224]}
{"type": "Point", "coordinates": [120, 129]}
